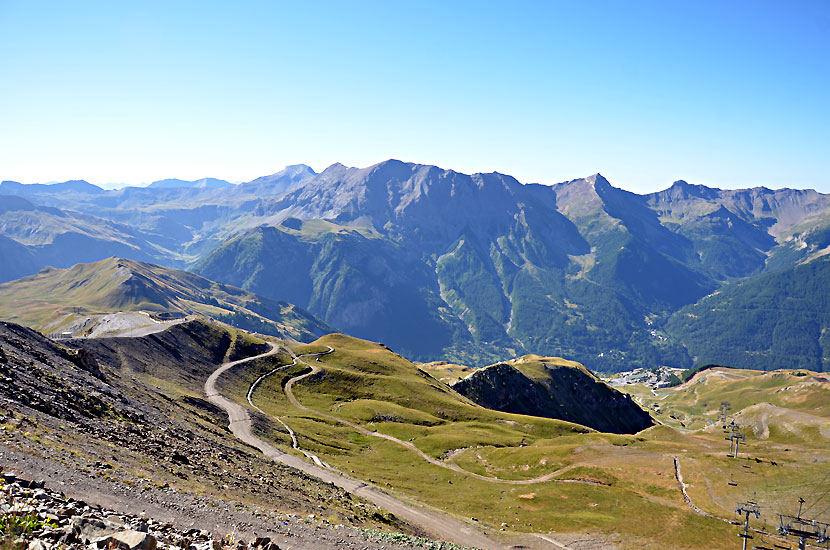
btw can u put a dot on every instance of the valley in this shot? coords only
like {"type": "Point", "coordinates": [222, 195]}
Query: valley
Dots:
{"type": "Point", "coordinates": [485, 267]}
{"type": "Point", "coordinates": [414, 275]}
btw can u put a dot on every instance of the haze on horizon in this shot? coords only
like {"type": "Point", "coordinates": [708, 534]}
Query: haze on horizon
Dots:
{"type": "Point", "coordinates": [726, 95]}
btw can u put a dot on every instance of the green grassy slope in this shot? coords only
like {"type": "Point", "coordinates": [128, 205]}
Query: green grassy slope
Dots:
{"type": "Point", "coordinates": [596, 482]}
{"type": "Point", "coordinates": [785, 416]}
{"type": "Point", "coordinates": [752, 393]}
{"type": "Point", "coordinates": [117, 284]}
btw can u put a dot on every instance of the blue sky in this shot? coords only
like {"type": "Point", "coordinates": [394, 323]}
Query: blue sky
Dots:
{"type": "Point", "coordinates": [728, 94]}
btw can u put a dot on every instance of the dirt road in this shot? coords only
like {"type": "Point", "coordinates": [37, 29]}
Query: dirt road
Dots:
{"type": "Point", "coordinates": [433, 522]}
{"type": "Point", "coordinates": [407, 444]}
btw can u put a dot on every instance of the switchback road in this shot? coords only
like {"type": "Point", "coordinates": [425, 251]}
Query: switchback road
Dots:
{"type": "Point", "coordinates": [437, 524]}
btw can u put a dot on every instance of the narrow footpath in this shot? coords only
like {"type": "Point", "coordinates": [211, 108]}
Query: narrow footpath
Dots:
{"type": "Point", "coordinates": [433, 522]}
{"type": "Point", "coordinates": [407, 444]}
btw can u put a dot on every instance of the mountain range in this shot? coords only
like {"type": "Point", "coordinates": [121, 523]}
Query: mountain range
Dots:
{"type": "Point", "coordinates": [468, 268]}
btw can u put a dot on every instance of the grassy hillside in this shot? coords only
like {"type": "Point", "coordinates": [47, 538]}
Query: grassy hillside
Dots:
{"type": "Point", "coordinates": [752, 394]}
{"type": "Point", "coordinates": [777, 320]}
{"type": "Point", "coordinates": [785, 416]}
{"type": "Point", "coordinates": [519, 473]}
{"type": "Point", "coordinates": [138, 424]}
{"type": "Point", "coordinates": [64, 299]}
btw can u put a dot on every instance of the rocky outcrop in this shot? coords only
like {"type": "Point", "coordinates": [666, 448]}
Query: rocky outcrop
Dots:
{"type": "Point", "coordinates": [554, 391]}
{"type": "Point", "coordinates": [37, 518]}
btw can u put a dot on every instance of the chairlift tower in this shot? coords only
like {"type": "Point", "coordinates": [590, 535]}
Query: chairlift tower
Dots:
{"type": "Point", "coordinates": [735, 437]}
{"type": "Point", "coordinates": [738, 438]}
{"type": "Point", "coordinates": [803, 528]}
{"type": "Point", "coordinates": [724, 407]}
{"type": "Point", "coordinates": [746, 509]}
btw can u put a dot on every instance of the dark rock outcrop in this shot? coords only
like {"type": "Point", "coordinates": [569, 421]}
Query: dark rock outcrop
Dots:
{"type": "Point", "coordinates": [554, 391]}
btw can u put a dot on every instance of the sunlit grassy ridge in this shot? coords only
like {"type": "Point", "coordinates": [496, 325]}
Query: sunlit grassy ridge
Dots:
{"type": "Point", "coordinates": [55, 298]}
{"type": "Point", "coordinates": [619, 488]}
{"type": "Point", "coordinates": [446, 372]}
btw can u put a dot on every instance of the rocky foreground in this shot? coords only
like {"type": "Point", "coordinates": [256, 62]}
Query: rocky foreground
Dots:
{"type": "Point", "coordinates": [34, 517]}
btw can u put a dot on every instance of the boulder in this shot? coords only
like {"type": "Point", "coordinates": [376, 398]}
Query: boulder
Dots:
{"type": "Point", "coordinates": [126, 540]}
{"type": "Point", "coordinates": [87, 529]}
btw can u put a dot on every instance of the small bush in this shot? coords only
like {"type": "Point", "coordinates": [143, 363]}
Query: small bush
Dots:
{"type": "Point", "coordinates": [11, 524]}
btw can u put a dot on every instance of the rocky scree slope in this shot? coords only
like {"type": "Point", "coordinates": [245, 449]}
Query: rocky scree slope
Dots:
{"type": "Point", "coordinates": [35, 516]}
{"type": "Point", "coordinates": [553, 388]}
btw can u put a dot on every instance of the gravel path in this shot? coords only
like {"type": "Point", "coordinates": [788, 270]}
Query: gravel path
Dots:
{"type": "Point", "coordinates": [407, 444]}
{"type": "Point", "coordinates": [434, 522]}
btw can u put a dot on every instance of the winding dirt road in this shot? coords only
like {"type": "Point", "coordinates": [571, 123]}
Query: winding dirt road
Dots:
{"type": "Point", "coordinates": [433, 522]}
{"type": "Point", "coordinates": [407, 444]}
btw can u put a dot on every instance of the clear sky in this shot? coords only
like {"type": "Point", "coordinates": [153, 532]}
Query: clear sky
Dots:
{"type": "Point", "coordinates": [725, 93]}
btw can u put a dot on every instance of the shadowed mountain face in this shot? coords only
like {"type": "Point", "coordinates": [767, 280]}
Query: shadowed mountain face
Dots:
{"type": "Point", "coordinates": [777, 320]}
{"type": "Point", "coordinates": [554, 388]}
{"type": "Point", "coordinates": [467, 268]}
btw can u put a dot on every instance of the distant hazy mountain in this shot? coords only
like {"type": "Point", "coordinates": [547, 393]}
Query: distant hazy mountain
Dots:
{"type": "Point", "coordinates": [184, 219]}
{"type": "Point", "coordinates": [72, 186]}
{"type": "Point", "coordinates": [204, 183]}
{"type": "Point", "coordinates": [53, 299]}
{"type": "Point", "coordinates": [468, 268]}
{"type": "Point", "coordinates": [32, 237]}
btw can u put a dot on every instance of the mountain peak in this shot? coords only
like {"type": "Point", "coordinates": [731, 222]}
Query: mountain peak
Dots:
{"type": "Point", "coordinates": [203, 183]}
{"type": "Point", "coordinates": [290, 177]}
{"type": "Point", "coordinates": [681, 189]}
{"type": "Point", "coordinates": [299, 169]}
{"type": "Point", "coordinates": [599, 180]}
